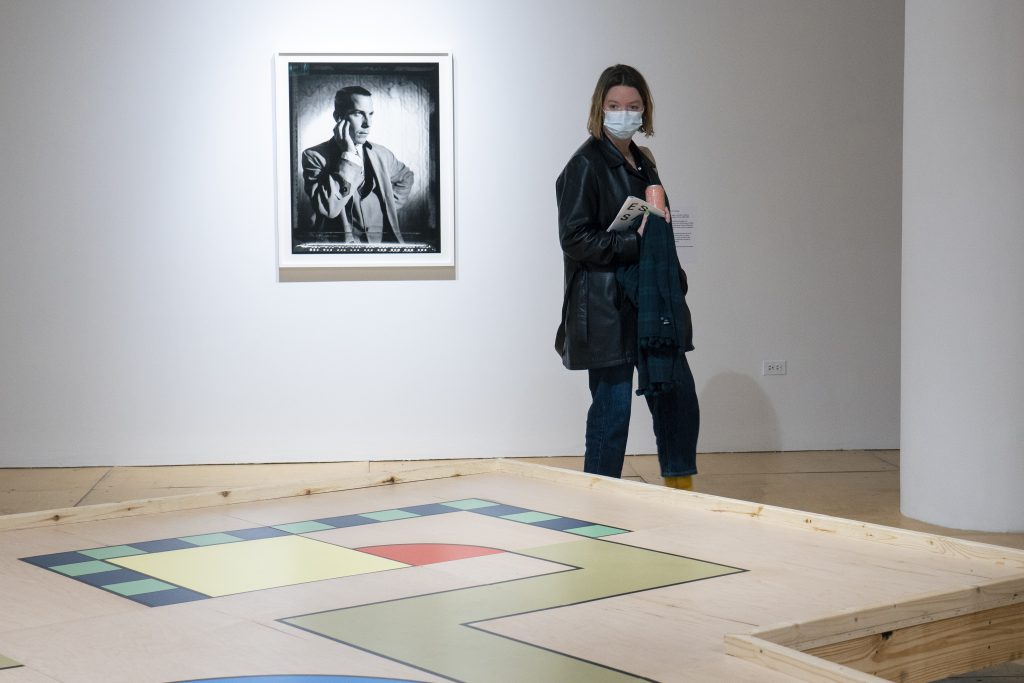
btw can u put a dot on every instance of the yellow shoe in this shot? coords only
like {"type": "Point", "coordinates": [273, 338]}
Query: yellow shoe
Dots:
{"type": "Point", "coordinates": [685, 483]}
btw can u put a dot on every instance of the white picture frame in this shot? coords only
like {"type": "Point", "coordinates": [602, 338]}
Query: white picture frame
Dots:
{"type": "Point", "coordinates": [409, 150]}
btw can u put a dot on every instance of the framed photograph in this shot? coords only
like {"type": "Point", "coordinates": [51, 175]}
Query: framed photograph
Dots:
{"type": "Point", "coordinates": [364, 161]}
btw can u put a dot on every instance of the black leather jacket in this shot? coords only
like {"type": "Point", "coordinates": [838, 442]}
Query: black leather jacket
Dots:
{"type": "Point", "coordinates": [598, 327]}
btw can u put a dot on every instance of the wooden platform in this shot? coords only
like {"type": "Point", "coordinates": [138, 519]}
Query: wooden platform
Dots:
{"type": "Point", "coordinates": [491, 571]}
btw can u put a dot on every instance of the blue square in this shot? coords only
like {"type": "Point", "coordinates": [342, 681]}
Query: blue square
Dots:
{"type": "Point", "coordinates": [500, 510]}
{"type": "Point", "coordinates": [562, 523]}
{"type": "Point", "coordinates": [259, 532]}
{"type": "Point", "coordinates": [56, 559]}
{"type": "Point", "coordinates": [346, 520]}
{"type": "Point", "coordinates": [429, 509]}
{"type": "Point", "coordinates": [171, 597]}
{"type": "Point", "coordinates": [116, 576]}
{"type": "Point", "coordinates": [162, 545]}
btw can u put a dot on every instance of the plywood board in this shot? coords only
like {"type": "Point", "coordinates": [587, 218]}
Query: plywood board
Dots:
{"type": "Point", "coordinates": [493, 571]}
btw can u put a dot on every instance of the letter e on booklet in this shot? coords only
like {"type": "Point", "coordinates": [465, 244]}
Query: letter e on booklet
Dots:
{"type": "Point", "coordinates": [632, 210]}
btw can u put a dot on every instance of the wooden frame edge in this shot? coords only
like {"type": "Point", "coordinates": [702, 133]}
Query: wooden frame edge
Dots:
{"type": "Point", "coordinates": [809, 521]}
{"type": "Point", "coordinates": [974, 631]}
{"type": "Point", "coordinates": [922, 609]}
{"type": "Point", "coordinates": [935, 649]}
{"type": "Point", "coordinates": [696, 501]}
{"type": "Point", "coordinates": [247, 494]}
{"type": "Point", "coordinates": [792, 662]}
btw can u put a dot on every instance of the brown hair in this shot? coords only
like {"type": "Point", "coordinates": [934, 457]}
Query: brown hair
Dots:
{"type": "Point", "coordinates": [620, 74]}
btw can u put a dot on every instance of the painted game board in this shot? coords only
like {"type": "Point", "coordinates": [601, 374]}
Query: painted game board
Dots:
{"type": "Point", "coordinates": [419, 631]}
{"type": "Point", "coordinates": [481, 575]}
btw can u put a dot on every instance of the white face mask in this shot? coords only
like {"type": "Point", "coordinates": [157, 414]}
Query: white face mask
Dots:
{"type": "Point", "coordinates": [623, 124]}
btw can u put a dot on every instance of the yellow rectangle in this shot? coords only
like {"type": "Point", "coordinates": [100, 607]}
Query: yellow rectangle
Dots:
{"type": "Point", "coordinates": [231, 568]}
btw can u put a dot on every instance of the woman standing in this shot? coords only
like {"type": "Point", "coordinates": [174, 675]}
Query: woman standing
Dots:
{"type": "Point", "coordinates": [598, 331]}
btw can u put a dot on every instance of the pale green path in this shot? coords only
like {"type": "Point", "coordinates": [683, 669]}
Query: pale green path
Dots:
{"type": "Point", "coordinates": [7, 663]}
{"type": "Point", "coordinates": [428, 631]}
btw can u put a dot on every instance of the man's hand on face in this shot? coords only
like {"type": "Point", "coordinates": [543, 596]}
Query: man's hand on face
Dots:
{"type": "Point", "coordinates": [343, 136]}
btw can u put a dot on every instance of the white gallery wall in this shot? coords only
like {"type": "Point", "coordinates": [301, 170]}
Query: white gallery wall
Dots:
{"type": "Point", "coordinates": [963, 236]}
{"type": "Point", "coordinates": [141, 316]}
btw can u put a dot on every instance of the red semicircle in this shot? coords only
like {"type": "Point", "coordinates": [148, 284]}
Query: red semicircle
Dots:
{"type": "Point", "coordinates": [417, 554]}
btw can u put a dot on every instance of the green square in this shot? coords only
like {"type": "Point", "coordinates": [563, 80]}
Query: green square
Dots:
{"type": "Point", "coordinates": [112, 551]}
{"type": "Point", "coordinates": [303, 527]}
{"type": "Point", "coordinates": [530, 517]}
{"type": "Point", "coordinates": [389, 515]}
{"type": "Point", "coordinates": [140, 587]}
{"type": "Point", "coordinates": [7, 663]}
{"type": "Point", "coordinates": [470, 504]}
{"type": "Point", "coordinates": [596, 531]}
{"type": "Point", "coordinates": [84, 568]}
{"type": "Point", "coordinates": [210, 539]}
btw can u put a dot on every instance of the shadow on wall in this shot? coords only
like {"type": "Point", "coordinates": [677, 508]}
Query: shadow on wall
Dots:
{"type": "Point", "coordinates": [737, 415]}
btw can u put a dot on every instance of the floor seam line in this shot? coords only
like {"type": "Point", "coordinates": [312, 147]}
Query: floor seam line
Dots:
{"type": "Point", "coordinates": [93, 487]}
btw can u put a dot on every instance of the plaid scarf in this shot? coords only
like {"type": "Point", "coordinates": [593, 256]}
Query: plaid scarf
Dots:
{"type": "Point", "coordinates": [664, 330]}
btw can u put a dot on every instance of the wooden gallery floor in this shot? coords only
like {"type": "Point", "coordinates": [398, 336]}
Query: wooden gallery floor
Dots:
{"type": "Point", "coordinates": [500, 571]}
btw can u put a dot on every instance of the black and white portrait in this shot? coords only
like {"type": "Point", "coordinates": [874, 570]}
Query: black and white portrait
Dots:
{"type": "Point", "coordinates": [368, 146]}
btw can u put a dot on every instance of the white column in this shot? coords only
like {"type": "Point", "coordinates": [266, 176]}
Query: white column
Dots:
{"type": "Point", "coordinates": [962, 405]}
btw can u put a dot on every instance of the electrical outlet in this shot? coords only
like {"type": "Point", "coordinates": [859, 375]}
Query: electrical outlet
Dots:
{"type": "Point", "coordinates": [773, 367]}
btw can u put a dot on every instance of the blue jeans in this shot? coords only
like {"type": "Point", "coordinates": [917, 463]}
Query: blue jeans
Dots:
{"type": "Point", "coordinates": [676, 418]}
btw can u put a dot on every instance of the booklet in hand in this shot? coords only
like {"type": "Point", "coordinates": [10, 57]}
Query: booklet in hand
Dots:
{"type": "Point", "coordinates": [632, 210]}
